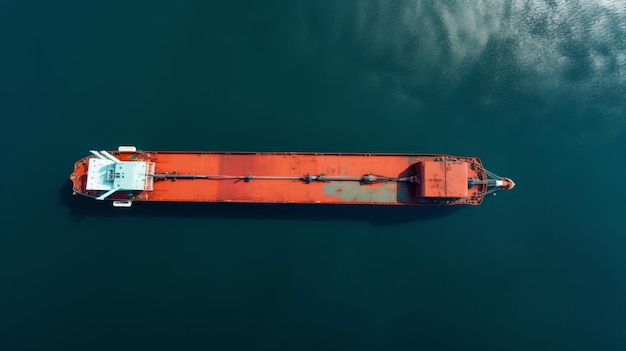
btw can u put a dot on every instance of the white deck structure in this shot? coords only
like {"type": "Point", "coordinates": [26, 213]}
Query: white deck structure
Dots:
{"type": "Point", "coordinates": [107, 173]}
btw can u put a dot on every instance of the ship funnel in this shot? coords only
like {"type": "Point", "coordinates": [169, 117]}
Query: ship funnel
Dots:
{"type": "Point", "coordinates": [110, 157]}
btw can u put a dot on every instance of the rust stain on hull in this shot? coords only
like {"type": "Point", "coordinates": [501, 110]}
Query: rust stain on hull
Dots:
{"type": "Point", "coordinates": [350, 192]}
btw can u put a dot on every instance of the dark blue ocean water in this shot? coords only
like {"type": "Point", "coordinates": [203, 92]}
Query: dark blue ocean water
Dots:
{"type": "Point", "coordinates": [535, 88]}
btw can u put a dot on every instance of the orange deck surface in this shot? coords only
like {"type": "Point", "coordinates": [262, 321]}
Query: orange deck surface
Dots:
{"type": "Point", "coordinates": [444, 179]}
{"type": "Point", "coordinates": [291, 191]}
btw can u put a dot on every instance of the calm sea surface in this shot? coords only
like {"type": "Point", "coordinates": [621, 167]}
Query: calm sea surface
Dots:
{"type": "Point", "coordinates": [535, 88]}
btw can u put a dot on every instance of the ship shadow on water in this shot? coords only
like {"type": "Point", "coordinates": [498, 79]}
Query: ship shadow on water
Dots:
{"type": "Point", "coordinates": [82, 207]}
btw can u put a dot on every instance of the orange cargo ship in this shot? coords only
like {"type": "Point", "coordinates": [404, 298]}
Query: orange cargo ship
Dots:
{"type": "Point", "coordinates": [127, 175]}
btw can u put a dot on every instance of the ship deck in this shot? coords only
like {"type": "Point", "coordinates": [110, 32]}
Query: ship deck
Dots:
{"type": "Point", "coordinates": [290, 189]}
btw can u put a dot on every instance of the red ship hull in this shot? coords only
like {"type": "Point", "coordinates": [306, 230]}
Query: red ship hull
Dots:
{"type": "Point", "coordinates": [295, 177]}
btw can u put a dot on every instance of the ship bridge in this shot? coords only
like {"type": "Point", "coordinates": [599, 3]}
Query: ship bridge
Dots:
{"type": "Point", "coordinates": [107, 173]}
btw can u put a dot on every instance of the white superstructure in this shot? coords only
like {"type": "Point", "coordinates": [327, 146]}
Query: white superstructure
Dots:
{"type": "Point", "coordinates": [107, 173]}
